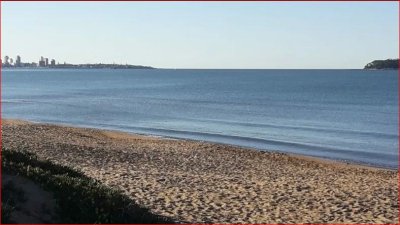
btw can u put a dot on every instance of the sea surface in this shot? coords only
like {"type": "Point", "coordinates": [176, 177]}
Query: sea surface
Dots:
{"type": "Point", "coordinates": [349, 115]}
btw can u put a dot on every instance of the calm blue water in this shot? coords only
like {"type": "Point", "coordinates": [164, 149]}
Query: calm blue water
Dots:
{"type": "Point", "coordinates": [339, 114]}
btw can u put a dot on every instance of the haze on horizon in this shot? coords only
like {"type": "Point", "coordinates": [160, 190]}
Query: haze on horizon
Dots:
{"type": "Point", "coordinates": [247, 35]}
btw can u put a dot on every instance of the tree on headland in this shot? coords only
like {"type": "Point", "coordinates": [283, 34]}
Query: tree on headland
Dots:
{"type": "Point", "coordinates": [383, 64]}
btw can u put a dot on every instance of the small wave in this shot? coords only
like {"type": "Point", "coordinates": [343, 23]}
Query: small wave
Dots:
{"type": "Point", "coordinates": [372, 158]}
{"type": "Point", "coordinates": [20, 101]}
{"type": "Point", "coordinates": [308, 128]}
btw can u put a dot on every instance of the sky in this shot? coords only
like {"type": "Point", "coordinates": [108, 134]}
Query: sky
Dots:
{"type": "Point", "coordinates": [201, 35]}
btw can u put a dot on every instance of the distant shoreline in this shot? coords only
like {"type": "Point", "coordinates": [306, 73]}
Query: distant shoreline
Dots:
{"type": "Point", "coordinates": [89, 68]}
{"type": "Point", "coordinates": [81, 66]}
{"type": "Point", "coordinates": [388, 64]}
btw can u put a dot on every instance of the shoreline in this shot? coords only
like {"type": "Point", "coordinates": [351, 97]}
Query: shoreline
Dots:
{"type": "Point", "coordinates": [201, 182]}
{"type": "Point", "coordinates": [166, 137]}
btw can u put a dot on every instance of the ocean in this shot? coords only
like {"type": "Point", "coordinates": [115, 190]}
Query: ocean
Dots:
{"type": "Point", "coordinates": [346, 115]}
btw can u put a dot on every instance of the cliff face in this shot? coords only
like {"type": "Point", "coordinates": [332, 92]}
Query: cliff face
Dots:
{"type": "Point", "coordinates": [383, 64]}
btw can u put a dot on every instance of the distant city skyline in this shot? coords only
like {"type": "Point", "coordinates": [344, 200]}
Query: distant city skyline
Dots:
{"type": "Point", "coordinates": [251, 35]}
{"type": "Point", "coordinates": [44, 62]}
{"type": "Point", "coordinates": [8, 61]}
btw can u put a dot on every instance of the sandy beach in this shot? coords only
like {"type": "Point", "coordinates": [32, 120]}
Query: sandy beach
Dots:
{"type": "Point", "coordinates": [200, 182]}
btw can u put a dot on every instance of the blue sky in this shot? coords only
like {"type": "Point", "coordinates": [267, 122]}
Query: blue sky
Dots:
{"type": "Point", "coordinates": [203, 34]}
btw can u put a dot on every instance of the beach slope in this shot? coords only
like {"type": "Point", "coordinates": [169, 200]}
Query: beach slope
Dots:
{"type": "Point", "coordinates": [201, 182]}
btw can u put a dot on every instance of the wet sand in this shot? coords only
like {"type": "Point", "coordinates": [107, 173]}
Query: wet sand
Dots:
{"type": "Point", "coordinates": [200, 182]}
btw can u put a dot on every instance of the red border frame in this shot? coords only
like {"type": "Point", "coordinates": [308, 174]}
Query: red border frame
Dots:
{"type": "Point", "coordinates": [1, 126]}
{"type": "Point", "coordinates": [398, 84]}
{"type": "Point", "coordinates": [398, 119]}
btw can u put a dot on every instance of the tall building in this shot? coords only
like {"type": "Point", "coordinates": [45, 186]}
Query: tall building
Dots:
{"type": "Point", "coordinates": [46, 63]}
{"type": "Point", "coordinates": [53, 62]}
{"type": "Point", "coordinates": [11, 61]}
{"type": "Point", "coordinates": [18, 61]}
{"type": "Point", "coordinates": [6, 58]}
{"type": "Point", "coordinates": [41, 62]}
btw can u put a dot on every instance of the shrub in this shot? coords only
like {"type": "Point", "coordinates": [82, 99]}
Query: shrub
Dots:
{"type": "Point", "coordinates": [79, 198]}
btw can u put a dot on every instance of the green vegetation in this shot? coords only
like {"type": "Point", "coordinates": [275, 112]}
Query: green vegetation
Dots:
{"type": "Point", "coordinates": [79, 198]}
{"type": "Point", "coordinates": [383, 64]}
